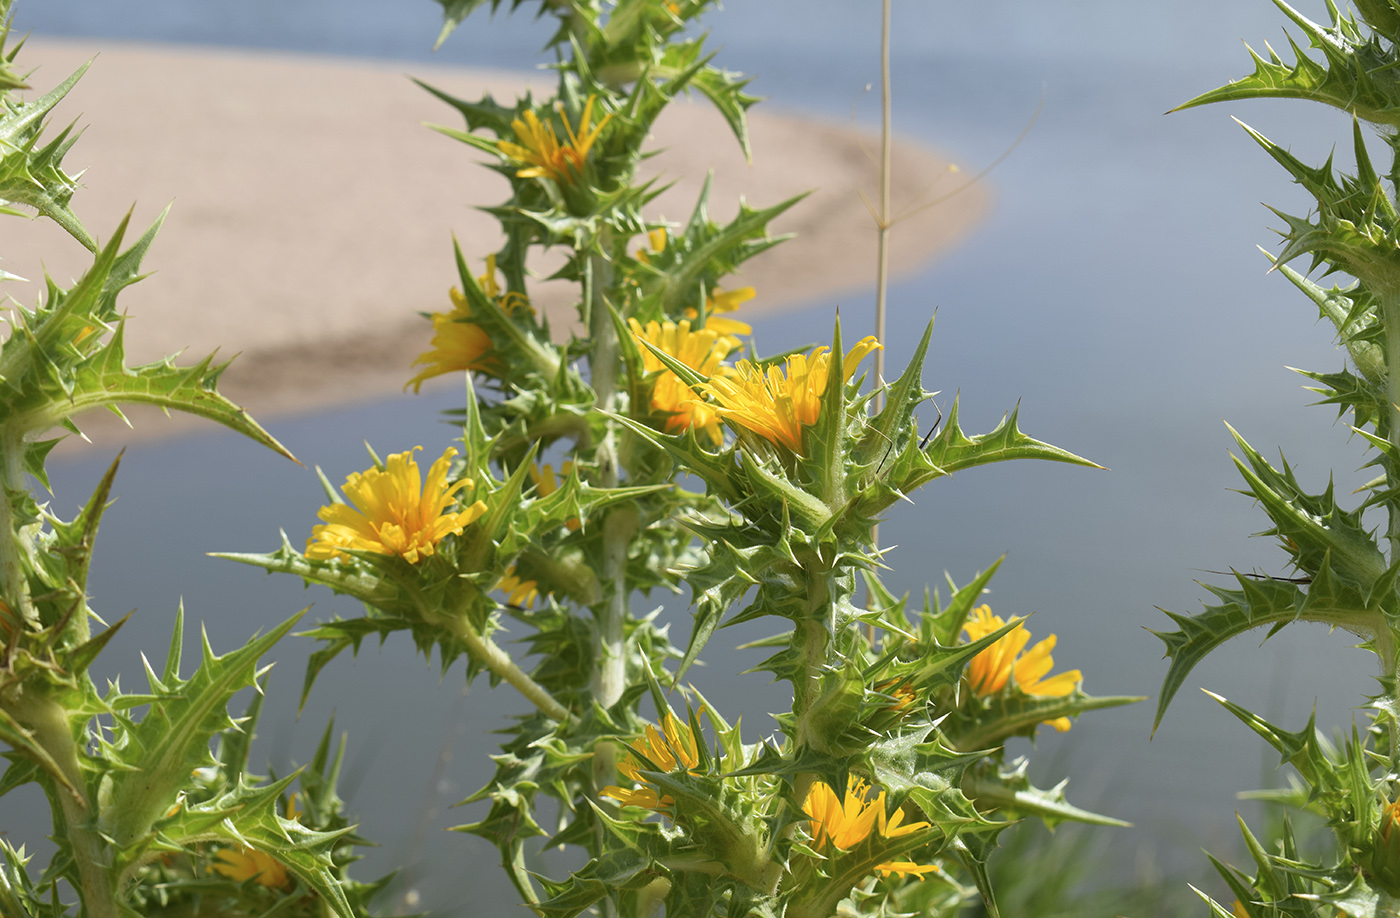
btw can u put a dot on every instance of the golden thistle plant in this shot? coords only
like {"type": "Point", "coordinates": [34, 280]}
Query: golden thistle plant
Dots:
{"type": "Point", "coordinates": [1344, 560]}
{"type": "Point", "coordinates": [755, 483]}
{"type": "Point", "coordinates": [155, 811]}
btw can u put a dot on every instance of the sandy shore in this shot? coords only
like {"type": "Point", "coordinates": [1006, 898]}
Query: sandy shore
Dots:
{"type": "Point", "coordinates": [312, 213]}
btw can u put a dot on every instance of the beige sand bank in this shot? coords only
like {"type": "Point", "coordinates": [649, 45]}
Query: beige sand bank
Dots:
{"type": "Point", "coordinates": [312, 212]}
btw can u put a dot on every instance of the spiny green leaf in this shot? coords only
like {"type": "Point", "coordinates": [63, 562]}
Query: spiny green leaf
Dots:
{"type": "Point", "coordinates": [174, 736]}
{"type": "Point", "coordinates": [1257, 603]}
{"type": "Point", "coordinates": [1358, 75]}
{"type": "Point", "coordinates": [33, 175]}
{"type": "Point", "coordinates": [1010, 790]}
{"type": "Point", "coordinates": [1314, 527]}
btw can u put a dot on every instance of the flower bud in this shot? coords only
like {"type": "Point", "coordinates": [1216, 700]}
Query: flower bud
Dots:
{"type": "Point", "coordinates": [1385, 854]}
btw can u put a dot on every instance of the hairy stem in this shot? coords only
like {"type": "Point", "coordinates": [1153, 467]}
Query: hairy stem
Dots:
{"type": "Point", "coordinates": [14, 585]}
{"type": "Point", "coordinates": [609, 675]}
{"type": "Point", "coordinates": [1390, 314]}
{"type": "Point", "coordinates": [52, 731]}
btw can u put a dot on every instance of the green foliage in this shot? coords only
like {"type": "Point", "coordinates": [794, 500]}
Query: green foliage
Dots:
{"type": "Point", "coordinates": [146, 819]}
{"type": "Point", "coordinates": [59, 361]}
{"type": "Point", "coordinates": [32, 175]}
{"type": "Point", "coordinates": [1357, 73]}
{"type": "Point", "coordinates": [888, 789]}
{"type": "Point", "coordinates": [1345, 566]}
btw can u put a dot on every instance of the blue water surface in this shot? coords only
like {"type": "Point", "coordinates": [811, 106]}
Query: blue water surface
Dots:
{"type": "Point", "coordinates": [1115, 295]}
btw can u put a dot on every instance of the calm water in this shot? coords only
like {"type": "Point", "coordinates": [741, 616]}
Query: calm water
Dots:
{"type": "Point", "coordinates": [1115, 293]}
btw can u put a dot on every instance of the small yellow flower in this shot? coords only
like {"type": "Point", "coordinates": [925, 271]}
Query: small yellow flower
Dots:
{"type": "Point", "coordinates": [843, 823]}
{"type": "Point", "coordinates": [458, 345]}
{"type": "Point", "coordinates": [519, 593]}
{"type": "Point", "coordinates": [991, 670]}
{"type": "Point", "coordinates": [541, 152]}
{"type": "Point", "coordinates": [778, 403]}
{"type": "Point", "coordinates": [392, 512]}
{"type": "Point", "coordinates": [244, 864]}
{"type": "Point", "coordinates": [700, 350]}
{"type": "Point", "coordinates": [675, 751]}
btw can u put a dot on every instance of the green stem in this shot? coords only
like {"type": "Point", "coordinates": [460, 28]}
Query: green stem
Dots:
{"type": "Point", "coordinates": [811, 641]}
{"type": "Point", "coordinates": [609, 675]}
{"type": "Point", "coordinates": [52, 731]}
{"type": "Point", "coordinates": [882, 265]}
{"type": "Point", "coordinates": [489, 654]}
{"type": "Point", "coordinates": [13, 581]}
{"type": "Point", "coordinates": [1390, 313]}
{"type": "Point", "coordinates": [882, 258]}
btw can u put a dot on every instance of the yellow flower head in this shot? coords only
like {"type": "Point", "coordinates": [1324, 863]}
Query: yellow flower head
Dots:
{"type": "Point", "coordinates": [778, 403]}
{"type": "Point", "coordinates": [392, 512]}
{"type": "Point", "coordinates": [701, 350]}
{"type": "Point", "coordinates": [673, 751]}
{"type": "Point", "coordinates": [541, 152]}
{"type": "Point", "coordinates": [244, 864]}
{"type": "Point", "coordinates": [458, 345]}
{"type": "Point", "coordinates": [843, 823]}
{"type": "Point", "coordinates": [991, 670]}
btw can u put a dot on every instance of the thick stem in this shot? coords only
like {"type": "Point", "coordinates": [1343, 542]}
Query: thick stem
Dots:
{"type": "Point", "coordinates": [810, 639]}
{"type": "Point", "coordinates": [14, 584]}
{"type": "Point", "coordinates": [53, 732]}
{"type": "Point", "coordinates": [609, 674]}
{"type": "Point", "coordinates": [1390, 313]}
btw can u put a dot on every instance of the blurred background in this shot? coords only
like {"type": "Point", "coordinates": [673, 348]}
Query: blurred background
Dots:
{"type": "Point", "coordinates": [1115, 293]}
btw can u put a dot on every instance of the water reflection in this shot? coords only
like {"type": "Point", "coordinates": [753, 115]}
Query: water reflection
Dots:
{"type": "Point", "coordinates": [1116, 295]}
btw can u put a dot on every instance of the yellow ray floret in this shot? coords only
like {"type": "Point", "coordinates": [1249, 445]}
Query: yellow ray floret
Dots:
{"type": "Point", "coordinates": [778, 403]}
{"type": "Point", "coordinates": [991, 670]}
{"type": "Point", "coordinates": [657, 238]}
{"type": "Point", "coordinates": [720, 301]}
{"type": "Point", "coordinates": [512, 301]}
{"type": "Point", "coordinates": [674, 751]}
{"type": "Point", "coordinates": [700, 350]}
{"type": "Point", "coordinates": [519, 593]}
{"type": "Point", "coordinates": [541, 152]}
{"type": "Point", "coordinates": [845, 822]}
{"type": "Point", "coordinates": [393, 512]}
{"type": "Point", "coordinates": [458, 345]}
{"type": "Point", "coordinates": [244, 864]}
